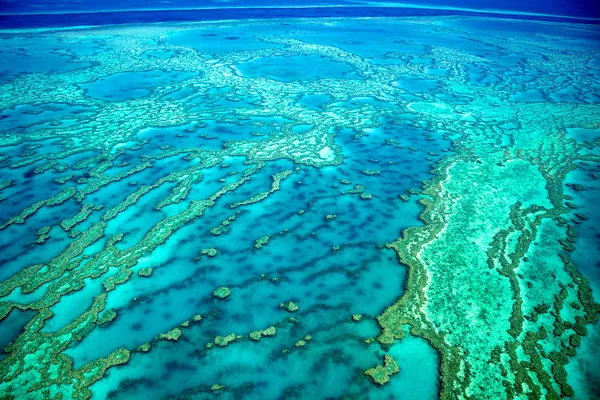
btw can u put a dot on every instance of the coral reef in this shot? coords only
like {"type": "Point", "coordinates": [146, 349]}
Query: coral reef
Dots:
{"type": "Point", "coordinates": [100, 181]}
{"type": "Point", "coordinates": [381, 373]}
{"type": "Point", "coordinates": [221, 292]}
{"type": "Point", "coordinates": [290, 306]}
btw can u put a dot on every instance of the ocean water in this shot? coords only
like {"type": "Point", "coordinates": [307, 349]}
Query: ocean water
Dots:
{"type": "Point", "coordinates": [270, 206]}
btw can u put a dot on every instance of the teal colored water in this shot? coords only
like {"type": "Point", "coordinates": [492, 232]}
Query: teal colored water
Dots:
{"type": "Point", "coordinates": [131, 85]}
{"type": "Point", "coordinates": [585, 192]}
{"type": "Point", "coordinates": [29, 118]}
{"type": "Point", "coordinates": [40, 55]}
{"type": "Point", "coordinates": [300, 68]}
{"type": "Point", "coordinates": [223, 39]}
{"type": "Point", "coordinates": [272, 209]}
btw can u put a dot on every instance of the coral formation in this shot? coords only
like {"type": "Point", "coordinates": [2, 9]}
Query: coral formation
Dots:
{"type": "Point", "coordinates": [381, 373]}
{"type": "Point", "coordinates": [221, 292]}
{"type": "Point", "coordinates": [290, 306]}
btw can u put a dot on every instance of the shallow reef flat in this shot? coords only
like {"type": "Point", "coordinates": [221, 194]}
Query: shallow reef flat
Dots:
{"type": "Point", "coordinates": [372, 208]}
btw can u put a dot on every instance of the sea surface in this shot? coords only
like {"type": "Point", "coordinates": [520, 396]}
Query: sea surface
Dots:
{"type": "Point", "coordinates": [382, 203]}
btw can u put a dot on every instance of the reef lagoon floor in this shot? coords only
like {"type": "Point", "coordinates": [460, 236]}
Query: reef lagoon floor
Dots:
{"type": "Point", "coordinates": [356, 208]}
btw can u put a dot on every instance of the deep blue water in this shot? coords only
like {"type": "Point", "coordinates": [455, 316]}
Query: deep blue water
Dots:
{"type": "Point", "coordinates": [581, 8]}
{"type": "Point", "coordinates": [34, 13]}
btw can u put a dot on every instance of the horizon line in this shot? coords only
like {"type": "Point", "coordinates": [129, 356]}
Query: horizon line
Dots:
{"type": "Point", "coordinates": [359, 5]}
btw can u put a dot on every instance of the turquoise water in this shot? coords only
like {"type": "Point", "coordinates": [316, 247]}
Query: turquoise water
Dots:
{"type": "Point", "coordinates": [329, 192]}
{"type": "Point", "coordinates": [299, 68]}
{"type": "Point", "coordinates": [131, 85]}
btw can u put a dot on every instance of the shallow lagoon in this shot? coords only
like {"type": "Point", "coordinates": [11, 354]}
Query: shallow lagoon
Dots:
{"type": "Point", "coordinates": [300, 68]}
{"type": "Point", "coordinates": [284, 160]}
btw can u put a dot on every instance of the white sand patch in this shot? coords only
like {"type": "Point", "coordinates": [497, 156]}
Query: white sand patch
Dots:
{"type": "Point", "coordinates": [326, 153]}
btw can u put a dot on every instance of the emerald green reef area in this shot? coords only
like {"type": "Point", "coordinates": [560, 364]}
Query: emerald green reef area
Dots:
{"type": "Point", "coordinates": [356, 208]}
